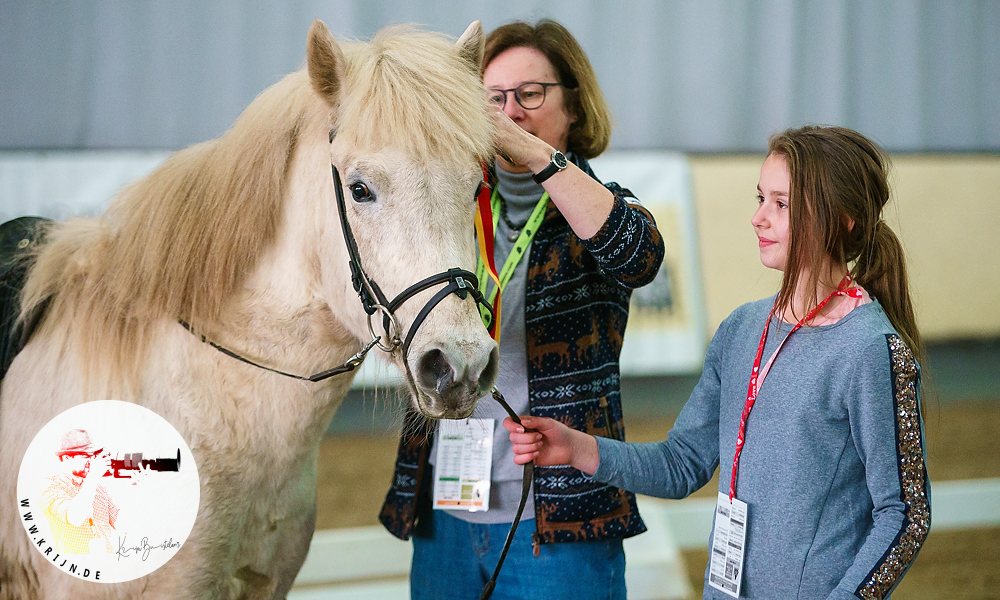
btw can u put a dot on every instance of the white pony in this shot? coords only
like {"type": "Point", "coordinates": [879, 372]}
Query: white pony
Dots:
{"type": "Point", "coordinates": [240, 237]}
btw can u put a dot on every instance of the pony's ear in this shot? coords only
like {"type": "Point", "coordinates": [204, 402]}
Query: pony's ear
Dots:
{"type": "Point", "coordinates": [325, 62]}
{"type": "Point", "coordinates": [472, 45]}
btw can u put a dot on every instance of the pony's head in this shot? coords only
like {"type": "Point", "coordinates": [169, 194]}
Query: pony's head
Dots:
{"type": "Point", "coordinates": [409, 130]}
{"type": "Point", "coordinates": [241, 236]}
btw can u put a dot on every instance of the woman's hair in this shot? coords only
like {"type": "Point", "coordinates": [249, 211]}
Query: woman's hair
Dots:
{"type": "Point", "coordinates": [839, 176]}
{"type": "Point", "coordinates": [590, 134]}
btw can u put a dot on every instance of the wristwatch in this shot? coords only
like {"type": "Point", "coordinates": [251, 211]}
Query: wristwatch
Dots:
{"type": "Point", "coordinates": [557, 164]}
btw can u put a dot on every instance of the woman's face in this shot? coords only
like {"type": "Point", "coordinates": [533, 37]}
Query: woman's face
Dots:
{"type": "Point", "coordinates": [514, 66]}
{"type": "Point", "coordinates": [770, 222]}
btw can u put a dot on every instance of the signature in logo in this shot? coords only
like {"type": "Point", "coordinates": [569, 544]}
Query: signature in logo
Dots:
{"type": "Point", "coordinates": [143, 548]}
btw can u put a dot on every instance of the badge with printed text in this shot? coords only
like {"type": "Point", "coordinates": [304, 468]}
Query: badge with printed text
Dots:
{"type": "Point", "coordinates": [463, 464]}
{"type": "Point", "coordinates": [108, 491]}
{"type": "Point", "coordinates": [728, 541]}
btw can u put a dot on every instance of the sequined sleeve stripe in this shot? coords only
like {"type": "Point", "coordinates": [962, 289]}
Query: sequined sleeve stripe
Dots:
{"type": "Point", "coordinates": [912, 477]}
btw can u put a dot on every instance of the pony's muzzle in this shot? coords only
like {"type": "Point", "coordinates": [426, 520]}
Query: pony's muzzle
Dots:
{"type": "Point", "coordinates": [452, 384]}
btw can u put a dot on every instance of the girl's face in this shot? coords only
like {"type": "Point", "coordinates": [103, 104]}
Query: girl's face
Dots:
{"type": "Point", "coordinates": [770, 222]}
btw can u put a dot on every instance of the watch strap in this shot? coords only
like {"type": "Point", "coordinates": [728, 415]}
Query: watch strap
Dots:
{"type": "Point", "coordinates": [552, 168]}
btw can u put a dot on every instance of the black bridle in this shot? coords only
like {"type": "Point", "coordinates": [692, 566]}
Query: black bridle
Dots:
{"type": "Point", "coordinates": [459, 282]}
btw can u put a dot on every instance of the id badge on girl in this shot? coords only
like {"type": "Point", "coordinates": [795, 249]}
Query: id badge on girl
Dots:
{"type": "Point", "coordinates": [463, 464]}
{"type": "Point", "coordinates": [728, 542]}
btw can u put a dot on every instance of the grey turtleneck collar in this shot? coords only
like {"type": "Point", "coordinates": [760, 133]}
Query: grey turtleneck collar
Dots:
{"type": "Point", "coordinates": [518, 188]}
{"type": "Point", "coordinates": [520, 192]}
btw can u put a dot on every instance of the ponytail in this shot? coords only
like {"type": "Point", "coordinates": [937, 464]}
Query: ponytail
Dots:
{"type": "Point", "coordinates": [881, 269]}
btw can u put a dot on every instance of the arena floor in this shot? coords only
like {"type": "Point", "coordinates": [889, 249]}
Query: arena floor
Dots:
{"type": "Point", "coordinates": [962, 418]}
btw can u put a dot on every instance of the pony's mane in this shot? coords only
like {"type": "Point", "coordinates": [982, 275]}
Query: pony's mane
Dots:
{"type": "Point", "coordinates": [410, 89]}
{"type": "Point", "coordinates": [180, 242]}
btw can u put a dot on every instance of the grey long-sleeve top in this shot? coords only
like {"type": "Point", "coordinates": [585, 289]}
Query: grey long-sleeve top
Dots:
{"type": "Point", "coordinates": [833, 467]}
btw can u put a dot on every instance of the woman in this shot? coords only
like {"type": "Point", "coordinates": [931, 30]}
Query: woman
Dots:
{"type": "Point", "coordinates": [574, 250]}
{"type": "Point", "coordinates": [816, 420]}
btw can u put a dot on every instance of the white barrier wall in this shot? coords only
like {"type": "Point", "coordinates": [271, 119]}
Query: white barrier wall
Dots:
{"type": "Point", "coordinates": [63, 184]}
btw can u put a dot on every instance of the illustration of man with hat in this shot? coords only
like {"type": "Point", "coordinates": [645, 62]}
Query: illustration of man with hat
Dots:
{"type": "Point", "coordinates": [79, 510]}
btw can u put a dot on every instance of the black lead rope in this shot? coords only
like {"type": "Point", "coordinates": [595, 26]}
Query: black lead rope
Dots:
{"type": "Point", "coordinates": [528, 475]}
{"type": "Point", "coordinates": [460, 282]}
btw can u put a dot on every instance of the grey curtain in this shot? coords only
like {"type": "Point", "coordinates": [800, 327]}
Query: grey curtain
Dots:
{"type": "Point", "coordinates": [693, 75]}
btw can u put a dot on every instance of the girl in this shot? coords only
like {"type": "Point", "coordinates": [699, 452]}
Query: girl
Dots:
{"type": "Point", "coordinates": [823, 491]}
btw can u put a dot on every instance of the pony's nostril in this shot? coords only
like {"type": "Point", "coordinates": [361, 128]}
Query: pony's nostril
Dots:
{"type": "Point", "coordinates": [434, 372]}
{"type": "Point", "coordinates": [488, 376]}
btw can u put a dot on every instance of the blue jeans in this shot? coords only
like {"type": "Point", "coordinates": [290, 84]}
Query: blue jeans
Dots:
{"type": "Point", "coordinates": [453, 559]}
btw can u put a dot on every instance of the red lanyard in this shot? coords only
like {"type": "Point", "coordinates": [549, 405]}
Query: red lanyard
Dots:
{"type": "Point", "coordinates": [842, 290]}
{"type": "Point", "coordinates": [484, 235]}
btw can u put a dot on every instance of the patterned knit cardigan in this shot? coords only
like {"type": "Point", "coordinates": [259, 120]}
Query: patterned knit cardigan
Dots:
{"type": "Point", "coordinates": [576, 307]}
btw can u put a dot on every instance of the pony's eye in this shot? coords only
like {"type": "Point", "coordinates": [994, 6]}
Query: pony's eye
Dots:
{"type": "Point", "coordinates": [361, 193]}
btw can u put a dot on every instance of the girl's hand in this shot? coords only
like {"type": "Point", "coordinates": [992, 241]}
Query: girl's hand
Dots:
{"type": "Point", "coordinates": [552, 443]}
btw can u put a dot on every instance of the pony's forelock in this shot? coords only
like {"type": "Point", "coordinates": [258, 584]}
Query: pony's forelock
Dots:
{"type": "Point", "coordinates": [411, 90]}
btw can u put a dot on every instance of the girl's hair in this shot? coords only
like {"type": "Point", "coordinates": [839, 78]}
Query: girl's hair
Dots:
{"type": "Point", "coordinates": [839, 176]}
{"type": "Point", "coordinates": [590, 134]}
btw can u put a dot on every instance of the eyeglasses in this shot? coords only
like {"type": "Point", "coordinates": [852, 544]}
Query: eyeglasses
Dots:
{"type": "Point", "coordinates": [529, 95]}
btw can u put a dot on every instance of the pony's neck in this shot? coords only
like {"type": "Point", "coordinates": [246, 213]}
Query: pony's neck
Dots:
{"type": "Point", "coordinates": [275, 322]}
{"type": "Point", "coordinates": [281, 316]}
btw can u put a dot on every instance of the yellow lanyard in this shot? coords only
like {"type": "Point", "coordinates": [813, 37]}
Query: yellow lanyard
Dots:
{"type": "Point", "coordinates": [517, 252]}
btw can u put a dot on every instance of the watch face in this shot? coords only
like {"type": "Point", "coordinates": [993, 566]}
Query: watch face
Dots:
{"type": "Point", "coordinates": [559, 159]}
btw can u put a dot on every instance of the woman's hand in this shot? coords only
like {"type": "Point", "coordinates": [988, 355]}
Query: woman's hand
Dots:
{"type": "Point", "coordinates": [584, 202]}
{"type": "Point", "coordinates": [552, 443]}
{"type": "Point", "coordinates": [518, 148]}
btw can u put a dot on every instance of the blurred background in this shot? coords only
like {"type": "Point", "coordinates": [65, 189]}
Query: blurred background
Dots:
{"type": "Point", "coordinates": [94, 94]}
